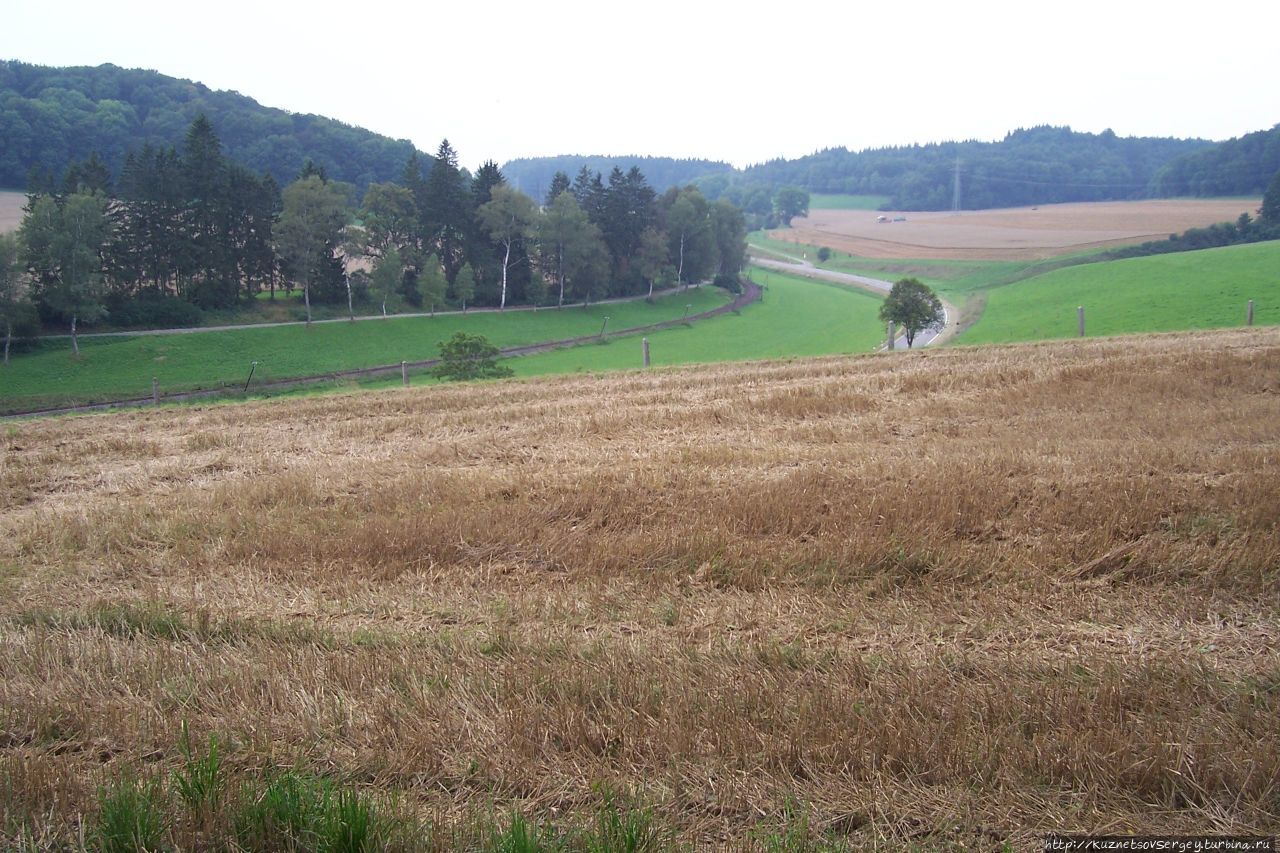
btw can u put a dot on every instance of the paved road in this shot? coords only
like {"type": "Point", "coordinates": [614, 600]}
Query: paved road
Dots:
{"type": "Point", "coordinates": [802, 267]}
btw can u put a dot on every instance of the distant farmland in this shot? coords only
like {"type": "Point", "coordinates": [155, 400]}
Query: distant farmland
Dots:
{"type": "Point", "coordinates": [938, 600]}
{"type": "Point", "coordinates": [1013, 234]}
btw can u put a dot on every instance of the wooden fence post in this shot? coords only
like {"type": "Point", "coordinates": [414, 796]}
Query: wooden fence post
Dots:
{"type": "Point", "coordinates": [644, 344]}
{"type": "Point", "coordinates": [404, 374]}
{"type": "Point", "coordinates": [1080, 321]}
{"type": "Point", "coordinates": [1248, 321]}
{"type": "Point", "coordinates": [155, 390]}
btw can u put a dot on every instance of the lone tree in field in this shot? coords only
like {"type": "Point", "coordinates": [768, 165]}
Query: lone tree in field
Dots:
{"type": "Point", "coordinates": [914, 307]}
{"type": "Point", "coordinates": [464, 357]}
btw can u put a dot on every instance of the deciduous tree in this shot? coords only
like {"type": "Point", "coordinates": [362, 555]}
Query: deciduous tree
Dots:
{"type": "Point", "coordinates": [913, 306]}
{"type": "Point", "coordinates": [310, 227]}
{"type": "Point", "coordinates": [64, 246]}
{"type": "Point", "coordinates": [15, 307]}
{"type": "Point", "coordinates": [508, 218]}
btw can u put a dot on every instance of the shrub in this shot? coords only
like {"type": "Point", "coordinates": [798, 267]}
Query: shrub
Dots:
{"type": "Point", "coordinates": [464, 357]}
{"type": "Point", "coordinates": [729, 282]}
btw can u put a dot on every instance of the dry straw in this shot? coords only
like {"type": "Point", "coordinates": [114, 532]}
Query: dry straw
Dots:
{"type": "Point", "coordinates": [949, 597]}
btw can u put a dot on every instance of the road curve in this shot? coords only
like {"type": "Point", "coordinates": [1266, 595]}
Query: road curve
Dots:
{"type": "Point", "coordinates": [801, 267]}
{"type": "Point", "coordinates": [750, 293]}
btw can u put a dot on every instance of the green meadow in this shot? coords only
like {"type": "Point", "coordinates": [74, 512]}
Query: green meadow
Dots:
{"type": "Point", "coordinates": [796, 317]}
{"type": "Point", "coordinates": [1188, 290]}
{"type": "Point", "coordinates": [110, 368]}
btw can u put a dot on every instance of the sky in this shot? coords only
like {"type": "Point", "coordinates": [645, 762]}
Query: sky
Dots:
{"type": "Point", "coordinates": [742, 82]}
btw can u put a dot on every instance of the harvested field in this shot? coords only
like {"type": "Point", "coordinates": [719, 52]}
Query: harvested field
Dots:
{"type": "Point", "coordinates": [1013, 234]}
{"type": "Point", "coordinates": [941, 599]}
{"type": "Point", "coordinates": [11, 210]}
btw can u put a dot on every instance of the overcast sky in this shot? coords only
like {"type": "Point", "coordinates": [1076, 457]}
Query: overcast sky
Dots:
{"type": "Point", "coordinates": [741, 82]}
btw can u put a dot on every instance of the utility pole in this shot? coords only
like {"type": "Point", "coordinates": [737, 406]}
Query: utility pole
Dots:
{"type": "Point", "coordinates": [955, 195]}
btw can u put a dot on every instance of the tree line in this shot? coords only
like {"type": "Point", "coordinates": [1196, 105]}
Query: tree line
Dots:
{"type": "Point", "coordinates": [1240, 166]}
{"type": "Point", "coordinates": [185, 230]}
{"type": "Point", "coordinates": [1039, 165]}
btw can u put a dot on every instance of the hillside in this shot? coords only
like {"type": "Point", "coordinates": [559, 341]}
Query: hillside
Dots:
{"type": "Point", "coordinates": [1243, 166]}
{"type": "Point", "coordinates": [1039, 165]}
{"type": "Point", "coordinates": [941, 600]}
{"type": "Point", "coordinates": [50, 117]}
{"type": "Point", "coordinates": [1206, 289]}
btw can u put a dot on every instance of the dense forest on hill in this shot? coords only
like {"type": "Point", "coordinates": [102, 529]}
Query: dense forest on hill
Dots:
{"type": "Point", "coordinates": [534, 174]}
{"type": "Point", "coordinates": [50, 117]}
{"type": "Point", "coordinates": [1039, 165]}
{"type": "Point", "coordinates": [1240, 166]}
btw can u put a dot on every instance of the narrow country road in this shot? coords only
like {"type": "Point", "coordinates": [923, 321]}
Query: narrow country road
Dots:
{"type": "Point", "coordinates": [191, 330]}
{"type": "Point", "coordinates": [802, 267]}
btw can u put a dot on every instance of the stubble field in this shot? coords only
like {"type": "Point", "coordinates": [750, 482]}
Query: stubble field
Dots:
{"type": "Point", "coordinates": [943, 599]}
{"type": "Point", "coordinates": [1023, 233]}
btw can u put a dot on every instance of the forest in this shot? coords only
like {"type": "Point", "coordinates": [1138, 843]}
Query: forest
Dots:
{"type": "Point", "coordinates": [1039, 165]}
{"type": "Point", "coordinates": [182, 231]}
{"type": "Point", "coordinates": [1240, 166]}
{"type": "Point", "coordinates": [50, 117]}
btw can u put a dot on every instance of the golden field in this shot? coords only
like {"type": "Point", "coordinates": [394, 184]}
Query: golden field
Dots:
{"type": "Point", "coordinates": [1022, 233]}
{"type": "Point", "coordinates": [946, 599]}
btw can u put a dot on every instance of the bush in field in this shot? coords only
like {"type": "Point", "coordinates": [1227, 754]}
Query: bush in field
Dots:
{"type": "Point", "coordinates": [824, 254]}
{"type": "Point", "coordinates": [464, 357]}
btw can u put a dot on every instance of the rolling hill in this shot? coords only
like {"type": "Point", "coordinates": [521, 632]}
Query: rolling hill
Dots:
{"type": "Point", "coordinates": [50, 117]}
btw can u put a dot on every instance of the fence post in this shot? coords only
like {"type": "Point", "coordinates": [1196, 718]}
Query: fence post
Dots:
{"type": "Point", "coordinates": [1248, 320]}
{"type": "Point", "coordinates": [892, 333]}
{"type": "Point", "coordinates": [404, 373]}
{"type": "Point", "coordinates": [155, 390]}
{"type": "Point", "coordinates": [252, 367]}
{"type": "Point", "coordinates": [1080, 321]}
{"type": "Point", "coordinates": [644, 344]}
{"type": "Point", "coordinates": [604, 326]}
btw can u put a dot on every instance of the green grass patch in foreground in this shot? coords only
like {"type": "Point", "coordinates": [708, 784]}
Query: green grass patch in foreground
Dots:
{"type": "Point", "coordinates": [797, 317]}
{"type": "Point", "coordinates": [120, 367]}
{"type": "Point", "coordinates": [1188, 290]}
{"type": "Point", "coordinates": [842, 201]}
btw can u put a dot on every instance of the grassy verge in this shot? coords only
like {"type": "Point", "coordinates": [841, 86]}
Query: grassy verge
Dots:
{"type": "Point", "coordinates": [1189, 290]}
{"type": "Point", "coordinates": [121, 367]}
{"type": "Point", "coordinates": [796, 317]}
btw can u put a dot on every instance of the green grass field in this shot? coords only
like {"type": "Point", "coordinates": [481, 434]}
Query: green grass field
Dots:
{"type": "Point", "coordinates": [797, 317]}
{"type": "Point", "coordinates": [1189, 290]}
{"type": "Point", "coordinates": [120, 367]}
{"type": "Point", "coordinates": [824, 201]}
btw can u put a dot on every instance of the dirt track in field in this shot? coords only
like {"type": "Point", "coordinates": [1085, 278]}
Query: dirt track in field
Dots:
{"type": "Point", "coordinates": [1024, 233]}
